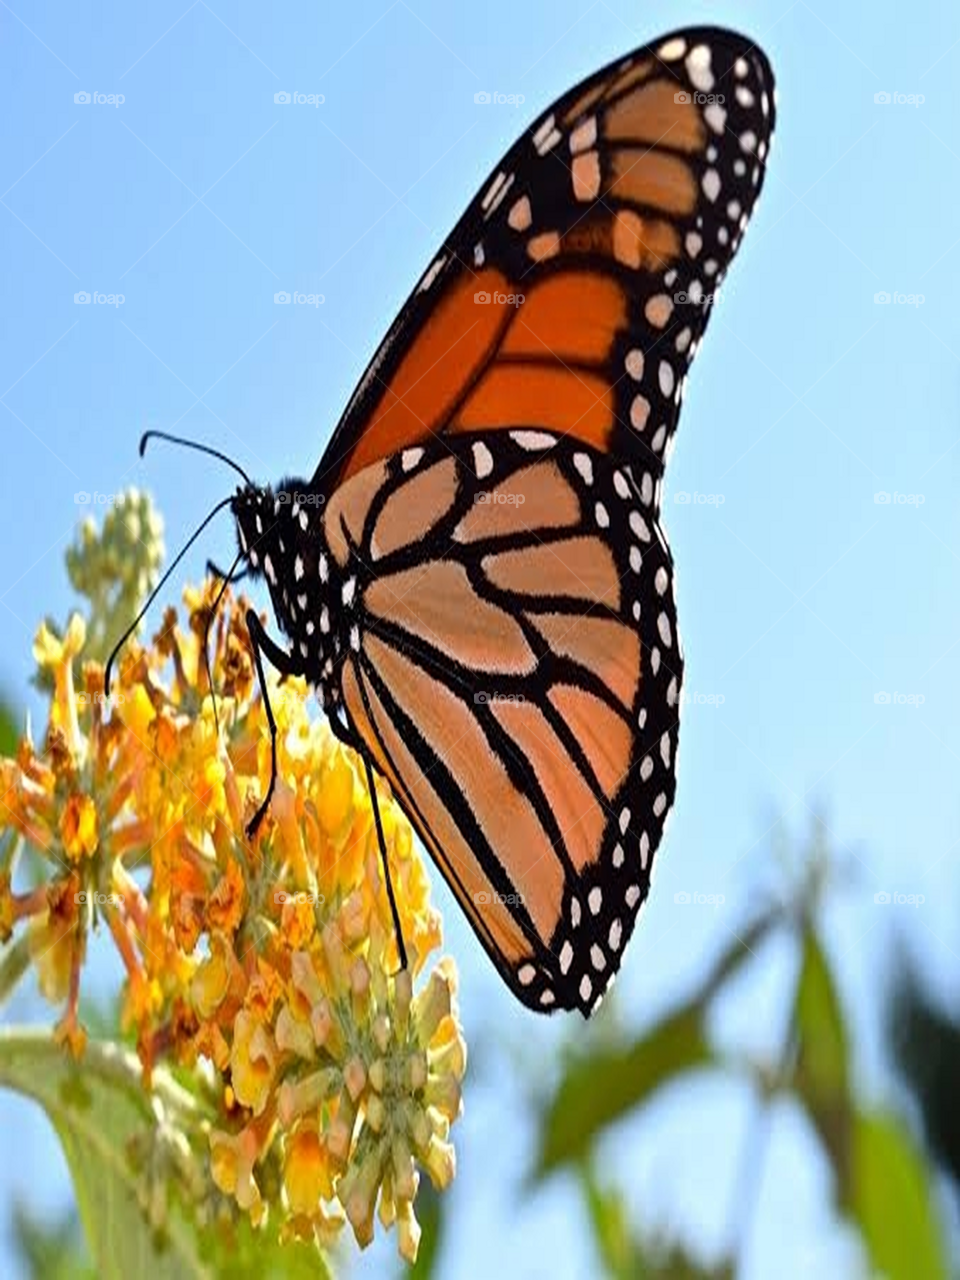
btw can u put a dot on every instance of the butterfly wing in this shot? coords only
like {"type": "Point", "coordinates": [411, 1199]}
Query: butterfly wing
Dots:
{"type": "Point", "coordinates": [493, 491]}
{"type": "Point", "coordinates": [614, 218]}
{"type": "Point", "coordinates": [515, 673]}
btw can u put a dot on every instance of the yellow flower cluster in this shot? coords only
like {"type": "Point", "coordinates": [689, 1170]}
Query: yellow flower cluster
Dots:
{"type": "Point", "coordinates": [274, 960]}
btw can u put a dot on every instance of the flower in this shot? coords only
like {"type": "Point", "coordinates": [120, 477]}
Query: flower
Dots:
{"type": "Point", "coordinates": [271, 962]}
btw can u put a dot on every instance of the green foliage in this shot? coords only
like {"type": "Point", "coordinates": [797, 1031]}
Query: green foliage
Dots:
{"type": "Point", "coordinates": [133, 1192]}
{"type": "Point", "coordinates": [883, 1186]}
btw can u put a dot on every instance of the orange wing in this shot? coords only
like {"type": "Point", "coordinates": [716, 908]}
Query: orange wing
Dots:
{"type": "Point", "coordinates": [513, 669]}
{"type": "Point", "coordinates": [572, 295]}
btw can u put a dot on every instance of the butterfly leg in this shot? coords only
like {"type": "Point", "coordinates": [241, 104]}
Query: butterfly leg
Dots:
{"type": "Point", "coordinates": [215, 571]}
{"type": "Point", "coordinates": [386, 865]}
{"type": "Point", "coordinates": [261, 643]}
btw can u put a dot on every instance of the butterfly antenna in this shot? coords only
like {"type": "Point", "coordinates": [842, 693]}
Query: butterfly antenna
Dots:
{"type": "Point", "coordinates": [191, 444]}
{"type": "Point", "coordinates": [206, 638]}
{"type": "Point", "coordinates": [156, 591]}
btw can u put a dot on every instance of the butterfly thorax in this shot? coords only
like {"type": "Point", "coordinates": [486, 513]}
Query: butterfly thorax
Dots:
{"type": "Point", "coordinates": [282, 539]}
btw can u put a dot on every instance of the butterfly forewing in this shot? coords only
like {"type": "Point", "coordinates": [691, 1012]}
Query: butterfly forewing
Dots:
{"type": "Point", "coordinates": [574, 291]}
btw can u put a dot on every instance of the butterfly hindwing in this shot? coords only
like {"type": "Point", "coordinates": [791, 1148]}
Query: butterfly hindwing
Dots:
{"type": "Point", "coordinates": [515, 674]}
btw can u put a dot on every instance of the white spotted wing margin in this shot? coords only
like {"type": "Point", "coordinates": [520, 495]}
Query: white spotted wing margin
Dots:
{"type": "Point", "coordinates": [517, 681]}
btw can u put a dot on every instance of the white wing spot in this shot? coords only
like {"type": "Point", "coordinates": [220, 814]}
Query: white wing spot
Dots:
{"type": "Point", "coordinates": [598, 958]}
{"type": "Point", "coordinates": [482, 460]}
{"type": "Point", "coordinates": [595, 899]}
{"type": "Point", "coordinates": [698, 68]}
{"type": "Point", "coordinates": [711, 184]}
{"type": "Point", "coordinates": [663, 626]}
{"type": "Point", "coordinates": [533, 440]}
{"type": "Point", "coordinates": [526, 974]}
{"type": "Point", "coordinates": [566, 957]}
{"type": "Point", "coordinates": [616, 932]}
{"type": "Point", "coordinates": [632, 896]}
{"type": "Point", "coordinates": [584, 466]}
{"type": "Point", "coordinates": [410, 458]}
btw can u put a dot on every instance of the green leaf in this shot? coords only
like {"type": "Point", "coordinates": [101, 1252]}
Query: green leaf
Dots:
{"type": "Point", "coordinates": [600, 1086]}
{"type": "Point", "coordinates": [8, 731]}
{"type": "Point", "coordinates": [430, 1216]}
{"type": "Point", "coordinates": [892, 1201]}
{"type": "Point", "coordinates": [98, 1115]}
{"type": "Point", "coordinates": [102, 1113]}
{"type": "Point", "coordinates": [822, 1066]}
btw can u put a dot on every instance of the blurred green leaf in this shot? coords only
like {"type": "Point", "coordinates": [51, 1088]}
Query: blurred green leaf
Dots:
{"type": "Point", "coordinates": [623, 1254]}
{"type": "Point", "coordinates": [430, 1216]}
{"type": "Point", "coordinates": [102, 1114]}
{"type": "Point", "coordinates": [50, 1250]}
{"type": "Point", "coordinates": [97, 1120]}
{"type": "Point", "coordinates": [925, 1041]}
{"type": "Point", "coordinates": [822, 1068]}
{"type": "Point", "coordinates": [599, 1086]}
{"type": "Point", "coordinates": [8, 731]}
{"type": "Point", "coordinates": [611, 1228]}
{"type": "Point", "coordinates": [891, 1199]}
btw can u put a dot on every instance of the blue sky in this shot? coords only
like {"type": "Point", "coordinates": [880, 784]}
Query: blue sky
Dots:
{"type": "Point", "coordinates": [800, 597]}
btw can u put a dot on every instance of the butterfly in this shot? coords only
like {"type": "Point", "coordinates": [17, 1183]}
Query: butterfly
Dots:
{"type": "Point", "coordinates": [476, 579]}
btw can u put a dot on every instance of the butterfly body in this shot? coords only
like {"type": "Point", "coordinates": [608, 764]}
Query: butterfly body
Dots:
{"type": "Point", "coordinates": [476, 578]}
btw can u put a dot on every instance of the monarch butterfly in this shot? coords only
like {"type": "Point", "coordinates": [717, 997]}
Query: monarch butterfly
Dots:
{"type": "Point", "coordinates": [476, 579]}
